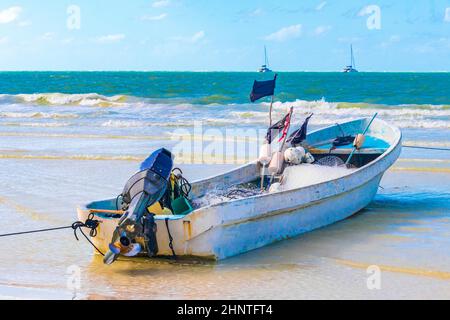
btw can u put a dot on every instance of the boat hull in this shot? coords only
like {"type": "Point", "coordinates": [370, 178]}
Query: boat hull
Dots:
{"type": "Point", "coordinates": [236, 237]}
{"type": "Point", "coordinates": [233, 227]}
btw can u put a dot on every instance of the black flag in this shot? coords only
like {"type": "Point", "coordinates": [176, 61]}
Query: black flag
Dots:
{"type": "Point", "coordinates": [263, 89]}
{"type": "Point", "coordinates": [299, 135]}
{"type": "Point", "coordinates": [276, 128]}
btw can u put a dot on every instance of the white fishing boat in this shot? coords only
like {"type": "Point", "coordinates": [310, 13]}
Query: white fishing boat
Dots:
{"type": "Point", "coordinates": [233, 226]}
{"type": "Point", "coordinates": [352, 67]}
{"type": "Point", "coordinates": [265, 66]}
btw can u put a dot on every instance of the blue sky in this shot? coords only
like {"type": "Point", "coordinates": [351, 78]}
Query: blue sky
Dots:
{"type": "Point", "coordinates": [310, 35]}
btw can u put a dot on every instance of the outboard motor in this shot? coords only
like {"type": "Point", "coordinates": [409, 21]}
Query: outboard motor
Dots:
{"type": "Point", "coordinates": [143, 189]}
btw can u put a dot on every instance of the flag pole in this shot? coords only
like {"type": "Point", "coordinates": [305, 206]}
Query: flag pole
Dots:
{"type": "Point", "coordinates": [291, 111]}
{"type": "Point", "coordinates": [270, 112]}
{"type": "Point", "coordinates": [365, 131]}
{"type": "Point", "coordinates": [263, 169]}
{"type": "Point", "coordinates": [271, 100]}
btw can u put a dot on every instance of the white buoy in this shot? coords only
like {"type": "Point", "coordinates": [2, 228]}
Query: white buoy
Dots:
{"type": "Point", "coordinates": [276, 164]}
{"type": "Point", "coordinates": [294, 155]}
{"type": "Point", "coordinates": [265, 154]}
{"type": "Point", "coordinates": [359, 141]}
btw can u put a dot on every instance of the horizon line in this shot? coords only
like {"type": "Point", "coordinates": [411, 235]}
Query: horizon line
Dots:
{"type": "Point", "coordinates": [227, 71]}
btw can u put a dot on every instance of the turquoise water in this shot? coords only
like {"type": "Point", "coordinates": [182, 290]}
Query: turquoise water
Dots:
{"type": "Point", "coordinates": [72, 137]}
{"type": "Point", "coordinates": [229, 87]}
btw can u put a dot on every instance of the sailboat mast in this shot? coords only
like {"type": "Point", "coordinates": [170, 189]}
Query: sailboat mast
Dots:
{"type": "Point", "coordinates": [266, 61]}
{"type": "Point", "coordinates": [351, 56]}
{"type": "Point", "coordinates": [352, 62]}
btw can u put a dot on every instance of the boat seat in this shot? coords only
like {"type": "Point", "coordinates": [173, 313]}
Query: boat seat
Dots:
{"type": "Point", "coordinates": [371, 145]}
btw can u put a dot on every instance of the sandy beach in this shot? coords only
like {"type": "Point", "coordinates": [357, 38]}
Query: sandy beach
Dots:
{"type": "Point", "coordinates": [404, 231]}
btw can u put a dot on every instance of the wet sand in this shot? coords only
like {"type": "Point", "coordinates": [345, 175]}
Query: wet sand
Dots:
{"type": "Point", "coordinates": [405, 231]}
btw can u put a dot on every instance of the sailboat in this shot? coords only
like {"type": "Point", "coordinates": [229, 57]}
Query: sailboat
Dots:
{"type": "Point", "coordinates": [351, 67]}
{"type": "Point", "coordinates": [265, 66]}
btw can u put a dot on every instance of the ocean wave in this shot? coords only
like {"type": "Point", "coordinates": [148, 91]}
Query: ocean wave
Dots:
{"type": "Point", "coordinates": [212, 122]}
{"type": "Point", "coordinates": [38, 115]}
{"type": "Point", "coordinates": [62, 99]}
{"type": "Point", "coordinates": [404, 116]}
{"type": "Point", "coordinates": [147, 112]}
{"type": "Point", "coordinates": [125, 124]}
{"type": "Point", "coordinates": [81, 136]}
{"type": "Point", "coordinates": [342, 108]}
{"type": "Point", "coordinates": [93, 100]}
{"type": "Point", "coordinates": [36, 124]}
{"type": "Point", "coordinates": [143, 124]}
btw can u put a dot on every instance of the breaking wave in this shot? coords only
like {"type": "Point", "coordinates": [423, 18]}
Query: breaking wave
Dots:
{"type": "Point", "coordinates": [36, 124]}
{"type": "Point", "coordinates": [145, 112]}
{"type": "Point", "coordinates": [404, 116]}
{"type": "Point", "coordinates": [38, 115]}
{"type": "Point", "coordinates": [363, 109]}
{"type": "Point", "coordinates": [62, 99]}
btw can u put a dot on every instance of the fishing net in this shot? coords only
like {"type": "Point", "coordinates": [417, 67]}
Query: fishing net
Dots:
{"type": "Point", "coordinates": [232, 193]}
{"type": "Point", "coordinates": [330, 161]}
{"type": "Point", "coordinates": [334, 161]}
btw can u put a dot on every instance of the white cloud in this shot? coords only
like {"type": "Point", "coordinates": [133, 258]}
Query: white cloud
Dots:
{"type": "Point", "coordinates": [47, 36]}
{"type": "Point", "coordinates": [321, 6]}
{"type": "Point", "coordinates": [4, 40]}
{"type": "Point", "coordinates": [392, 39]}
{"type": "Point", "coordinates": [155, 18]}
{"type": "Point", "coordinates": [256, 13]}
{"type": "Point", "coordinates": [111, 38]}
{"type": "Point", "coordinates": [447, 15]}
{"type": "Point", "coordinates": [434, 45]}
{"type": "Point", "coordinates": [191, 39]}
{"type": "Point", "coordinates": [285, 33]}
{"type": "Point", "coordinates": [321, 30]}
{"type": "Point", "coordinates": [349, 39]}
{"type": "Point", "coordinates": [67, 40]}
{"type": "Point", "coordinates": [198, 36]}
{"type": "Point", "coordinates": [160, 3]}
{"type": "Point", "coordinates": [10, 14]}
{"type": "Point", "coordinates": [25, 23]}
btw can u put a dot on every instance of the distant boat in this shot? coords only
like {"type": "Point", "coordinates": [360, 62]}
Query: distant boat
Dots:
{"type": "Point", "coordinates": [265, 66]}
{"type": "Point", "coordinates": [352, 66]}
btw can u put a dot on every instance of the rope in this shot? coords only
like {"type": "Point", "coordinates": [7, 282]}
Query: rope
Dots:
{"type": "Point", "coordinates": [426, 148]}
{"type": "Point", "coordinates": [184, 186]}
{"type": "Point", "coordinates": [33, 231]}
{"type": "Point", "coordinates": [170, 239]}
{"type": "Point", "coordinates": [90, 223]}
